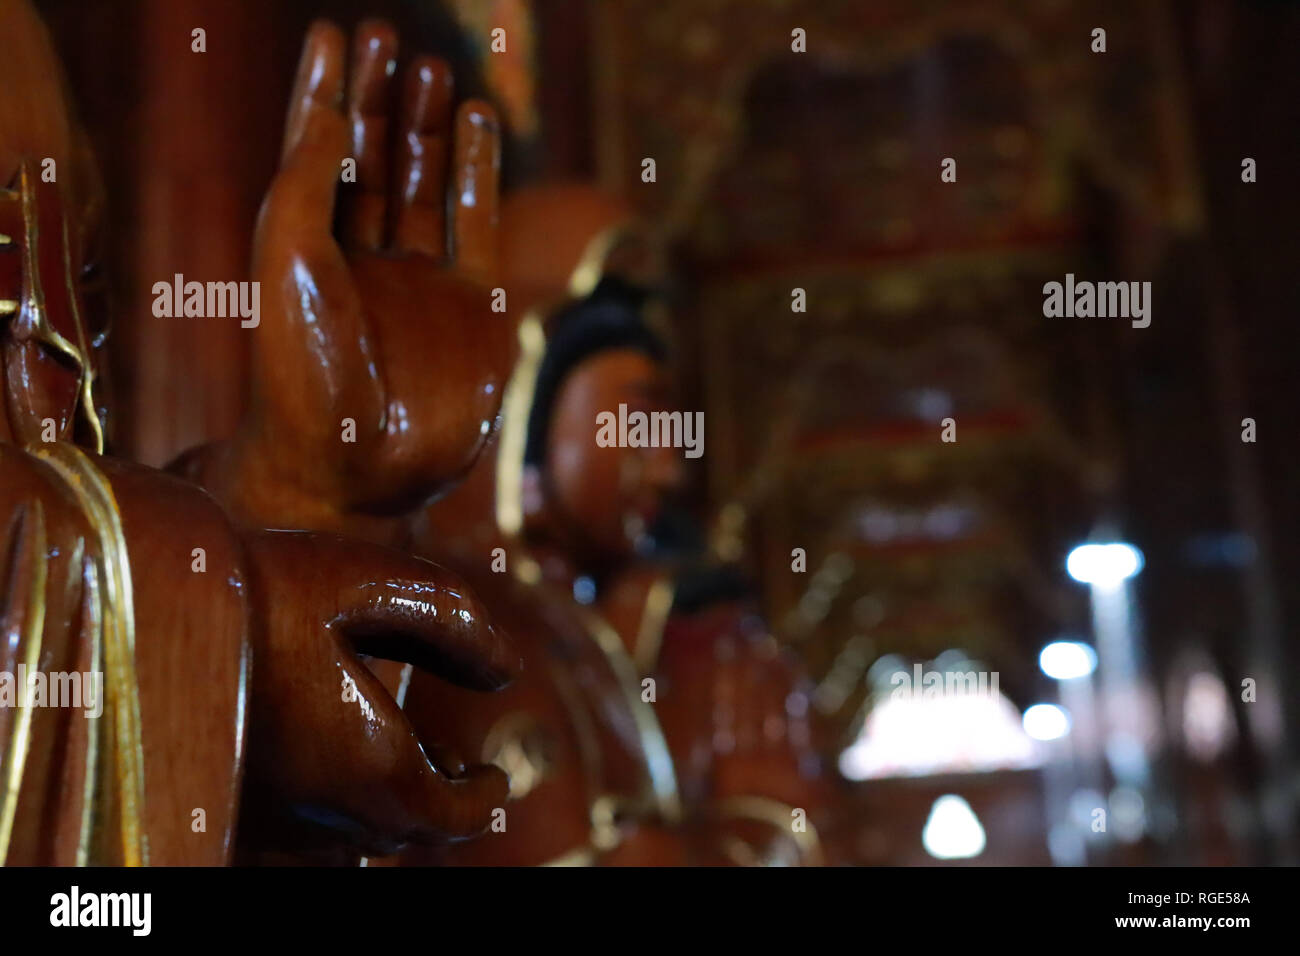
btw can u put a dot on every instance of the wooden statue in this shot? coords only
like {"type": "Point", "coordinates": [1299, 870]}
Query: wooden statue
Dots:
{"type": "Point", "coordinates": [553, 521]}
{"type": "Point", "coordinates": [735, 716]}
{"type": "Point", "coordinates": [378, 364]}
{"type": "Point", "coordinates": [592, 780]}
{"type": "Point", "coordinates": [224, 663]}
{"type": "Point", "coordinates": [380, 361]}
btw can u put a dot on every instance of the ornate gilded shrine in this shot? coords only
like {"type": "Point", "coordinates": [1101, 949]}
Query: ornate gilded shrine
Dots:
{"type": "Point", "coordinates": [916, 306]}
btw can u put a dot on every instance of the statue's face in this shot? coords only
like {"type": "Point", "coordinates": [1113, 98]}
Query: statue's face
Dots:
{"type": "Point", "coordinates": [607, 497]}
{"type": "Point", "coordinates": [51, 324]}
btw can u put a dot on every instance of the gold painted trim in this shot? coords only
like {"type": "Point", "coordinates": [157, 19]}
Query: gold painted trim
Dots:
{"type": "Point", "coordinates": [605, 834]}
{"type": "Point", "coordinates": [15, 756]}
{"type": "Point", "coordinates": [777, 815]}
{"type": "Point", "coordinates": [517, 402]}
{"type": "Point", "coordinates": [94, 735]}
{"type": "Point", "coordinates": [654, 620]}
{"type": "Point", "coordinates": [516, 408]}
{"type": "Point", "coordinates": [86, 389]}
{"type": "Point", "coordinates": [579, 856]}
{"type": "Point", "coordinates": [114, 636]}
{"type": "Point", "coordinates": [44, 332]}
{"type": "Point", "coordinates": [654, 746]}
{"type": "Point", "coordinates": [508, 744]}
{"type": "Point", "coordinates": [587, 273]}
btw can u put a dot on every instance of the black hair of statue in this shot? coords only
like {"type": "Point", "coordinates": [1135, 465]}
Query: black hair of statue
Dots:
{"type": "Point", "coordinates": [611, 317]}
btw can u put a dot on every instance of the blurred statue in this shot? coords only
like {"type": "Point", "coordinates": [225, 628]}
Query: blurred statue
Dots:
{"type": "Point", "coordinates": [233, 688]}
{"type": "Point", "coordinates": [591, 778]}
{"type": "Point", "coordinates": [553, 526]}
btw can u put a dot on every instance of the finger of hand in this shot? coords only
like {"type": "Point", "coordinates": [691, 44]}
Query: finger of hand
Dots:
{"type": "Point", "coordinates": [301, 199]}
{"type": "Point", "coordinates": [477, 170]}
{"type": "Point", "coordinates": [423, 149]}
{"type": "Point", "coordinates": [319, 83]}
{"type": "Point", "coordinates": [431, 620]}
{"type": "Point", "coordinates": [411, 795]}
{"type": "Point", "coordinates": [434, 795]}
{"type": "Point", "coordinates": [446, 759]}
{"type": "Point", "coordinates": [393, 605]}
{"type": "Point", "coordinates": [460, 807]}
{"type": "Point", "coordinates": [374, 61]}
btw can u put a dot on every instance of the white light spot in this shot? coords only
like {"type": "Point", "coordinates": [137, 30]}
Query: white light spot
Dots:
{"type": "Point", "coordinates": [1046, 722]}
{"type": "Point", "coordinates": [1066, 660]}
{"type": "Point", "coordinates": [953, 832]}
{"type": "Point", "coordinates": [1103, 565]}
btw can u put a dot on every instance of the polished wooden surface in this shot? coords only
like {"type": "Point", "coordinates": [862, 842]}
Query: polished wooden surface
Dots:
{"type": "Point", "coordinates": [356, 327]}
{"type": "Point", "coordinates": [330, 752]}
{"type": "Point", "coordinates": [37, 143]}
{"type": "Point", "coordinates": [332, 759]}
{"type": "Point", "coordinates": [192, 654]}
{"type": "Point", "coordinates": [229, 623]}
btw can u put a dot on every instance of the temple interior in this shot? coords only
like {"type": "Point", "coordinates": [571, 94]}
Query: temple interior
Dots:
{"type": "Point", "coordinates": [848, 432]}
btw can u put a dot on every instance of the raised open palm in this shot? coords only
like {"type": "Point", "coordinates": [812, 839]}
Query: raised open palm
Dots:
{"type": "Point", "coordinates": [378, 363]}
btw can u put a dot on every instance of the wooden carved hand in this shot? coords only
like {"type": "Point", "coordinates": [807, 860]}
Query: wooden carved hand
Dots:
{"type": "Point", "coordinates": [332, 764]}
{"type": "Point", "coordinates": [378, 367]}
{"type": "Point", "coordinates": [326, 744]}
{"type": "Point", "coordinates": [330, 751]}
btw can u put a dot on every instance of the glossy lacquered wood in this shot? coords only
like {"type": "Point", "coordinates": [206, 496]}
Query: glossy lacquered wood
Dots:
{"type": "Point", "coordinates": [330, 754]}
{"type": "Point", "coordinates": [258, 718]}
{"type": "Point", "coordinates": [379, 363]}
{"type": "Point", "coordinates": [51, 207]}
